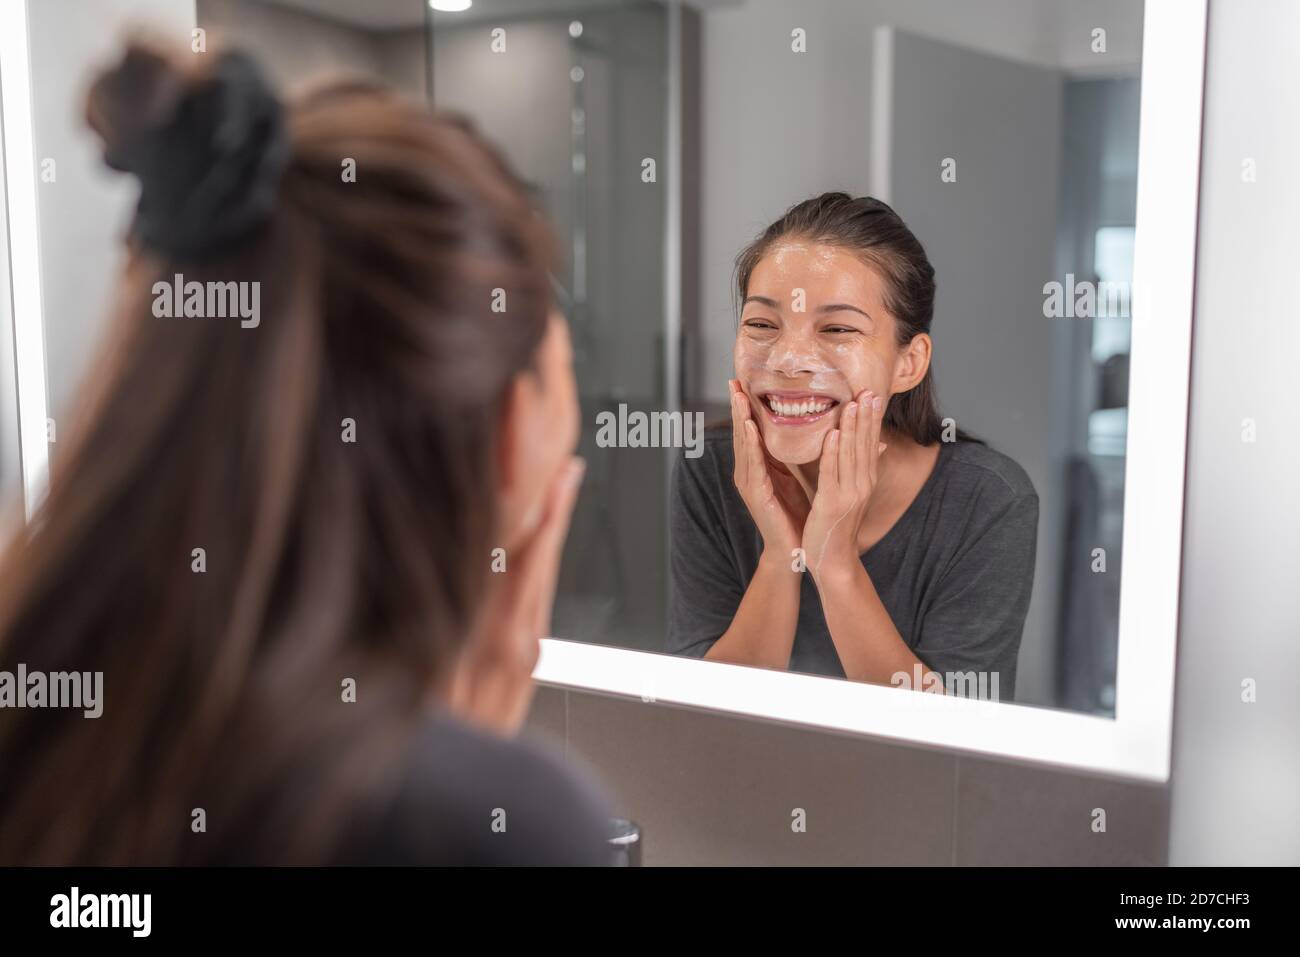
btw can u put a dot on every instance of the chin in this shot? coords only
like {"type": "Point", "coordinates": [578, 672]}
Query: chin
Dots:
{"type": "Point", "coordinates": [794, 449]}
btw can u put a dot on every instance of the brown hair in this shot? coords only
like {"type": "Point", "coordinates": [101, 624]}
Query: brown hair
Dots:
{"type": "Point", "coordinates": [325, 559]}
{"type": "Point", "coordinates": [878, 235]}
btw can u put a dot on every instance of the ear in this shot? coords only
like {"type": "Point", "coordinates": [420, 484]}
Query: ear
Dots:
{"type": "Point", "coordinates": [912, 364]}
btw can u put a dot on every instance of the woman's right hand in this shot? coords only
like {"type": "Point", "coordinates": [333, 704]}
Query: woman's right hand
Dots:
{"type": "Point", "coordinates": [492, 685]}
{"type": "Point", "coordinates": [773, 496]}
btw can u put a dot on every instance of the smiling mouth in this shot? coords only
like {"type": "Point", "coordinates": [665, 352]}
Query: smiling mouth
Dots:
{"type": "Point", "coordinates": [797, 409]}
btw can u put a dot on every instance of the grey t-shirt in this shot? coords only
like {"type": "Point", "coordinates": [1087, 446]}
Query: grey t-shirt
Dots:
{"type": "Point", "coordinates": [955, 572]}
{"type": "Point", "coordinates": [466, 797]}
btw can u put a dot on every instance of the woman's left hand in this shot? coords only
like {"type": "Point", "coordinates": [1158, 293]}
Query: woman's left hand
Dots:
{"type": "Point", "coordinates": [846, 478]}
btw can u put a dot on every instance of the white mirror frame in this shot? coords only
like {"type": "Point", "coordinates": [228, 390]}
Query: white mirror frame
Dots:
{"type": "Point", "coordinates": [1136, 743]}
{"type": "Point", "coordinates": [25, 308]}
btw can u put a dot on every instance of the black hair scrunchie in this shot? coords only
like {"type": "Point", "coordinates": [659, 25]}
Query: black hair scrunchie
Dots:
{"type": "Point", "coordinates": [210, 176]}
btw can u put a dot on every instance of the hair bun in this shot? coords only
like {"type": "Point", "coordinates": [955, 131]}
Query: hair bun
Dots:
{"type": "Point", "coordinates": [209, 148]}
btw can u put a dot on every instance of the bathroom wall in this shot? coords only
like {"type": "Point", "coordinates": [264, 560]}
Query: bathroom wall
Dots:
{"type": "Point", "coordinates": [85, 209]}
{"type": "Point", "coordinates": [292, 44]}
{"type": "Point", "coordinates": [1236, 775]}
{"type": "Point", "coordinates": [713, 790]}
{"type": "Point", "coordinates": [710, 789]}
{"type": "Point", "coordinates": [297, 45]}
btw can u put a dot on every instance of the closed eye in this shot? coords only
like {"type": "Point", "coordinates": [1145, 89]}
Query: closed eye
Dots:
{"type": "Point", "coordinates": [760, 324]}
{"type": "Point", "coordinates": [840, 329]}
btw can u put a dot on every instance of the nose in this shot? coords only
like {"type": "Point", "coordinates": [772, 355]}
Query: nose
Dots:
{"type": "Point", "coordinates": [794, 354]}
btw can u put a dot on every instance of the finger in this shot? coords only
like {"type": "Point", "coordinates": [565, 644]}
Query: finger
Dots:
{"type": "Point", "coordinates": [864, 453]}
{"type": "Point", "coordinates": [849, 426]}
{"type": "Point", "coordinates": [540, 559]}
{"type": "Point", "coordinates": [738, 435]}
{"type": "Point", "coordinates": [873, 446]}
{"type": "Point", "coordinates": [564, 496]}
{"type": "Point", "coordinates": [828, 468]}
{"type": "Point", "coordinates": [756, 467]}
{"type": "Point", "coordinates": [555, 534]}
{"type": "Point", "coordinates": [746, 407]}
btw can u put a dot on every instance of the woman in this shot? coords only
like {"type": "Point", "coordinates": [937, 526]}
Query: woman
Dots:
{"type": "Point", "coordinates": [918, 546]}
{"type": "Point", "coordinates": [311, 554]}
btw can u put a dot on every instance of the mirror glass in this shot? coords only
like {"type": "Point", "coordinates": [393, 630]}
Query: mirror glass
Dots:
{"type": "Point", "coordinates": [987, 305]}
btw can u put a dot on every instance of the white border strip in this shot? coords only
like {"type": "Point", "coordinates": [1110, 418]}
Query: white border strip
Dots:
{"type": "Point", "coordinates": [1137, 743]}
{"type": "Point", "coordinates": [673, 217]}
{"type": "Point", "coordinates": [880, 175]}
{"type": "Point", "coordinates": [21, 185]}
{"type": "Point", "coordinates": [674, 163]}
{"type": "Point", "coordinates": [1164, 272]}
{"type": "Point", "coordinates": [1059, 738]}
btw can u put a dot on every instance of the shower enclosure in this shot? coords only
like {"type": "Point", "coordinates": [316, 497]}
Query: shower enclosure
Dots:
{"type": "Point", "coordinates": [579, 96]}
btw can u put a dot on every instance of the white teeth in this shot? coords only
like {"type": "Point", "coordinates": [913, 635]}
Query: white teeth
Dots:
{"type": "Point", "coordinates": [800, 409]}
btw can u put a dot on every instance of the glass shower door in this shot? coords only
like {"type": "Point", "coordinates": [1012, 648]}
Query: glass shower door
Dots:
{"type": "Point", "coordinates": [576, 94]}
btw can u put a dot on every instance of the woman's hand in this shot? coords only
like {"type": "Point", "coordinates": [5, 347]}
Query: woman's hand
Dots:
{"type": "Point", "coordinates": [773, 496]}
{"type": "Point", "coordinates": [493, 685]}
{"type": "Point", "coordinates": [846, 478]}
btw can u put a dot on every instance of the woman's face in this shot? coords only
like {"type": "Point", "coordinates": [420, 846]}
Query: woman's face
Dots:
{"type": "Point", "coordinates": [813, 334]}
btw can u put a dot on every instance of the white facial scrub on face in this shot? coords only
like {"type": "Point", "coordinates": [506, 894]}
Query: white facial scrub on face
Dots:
{"type": "Point", "coordinates": [814, 330]}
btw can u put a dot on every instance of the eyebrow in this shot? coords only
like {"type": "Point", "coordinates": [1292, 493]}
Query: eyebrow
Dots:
{"type": "Point", "coordinates": [829, 307]}
{"type": "Point", "coordinates": [839, 306]}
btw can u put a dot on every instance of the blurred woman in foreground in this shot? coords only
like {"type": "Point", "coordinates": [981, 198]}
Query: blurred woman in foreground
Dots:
{"type": "Point", "coordinates": [311, 550]}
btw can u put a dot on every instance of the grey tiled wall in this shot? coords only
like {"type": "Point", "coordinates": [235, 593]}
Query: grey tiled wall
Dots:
{"type": "Point", "coordinates": [715, 789]}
